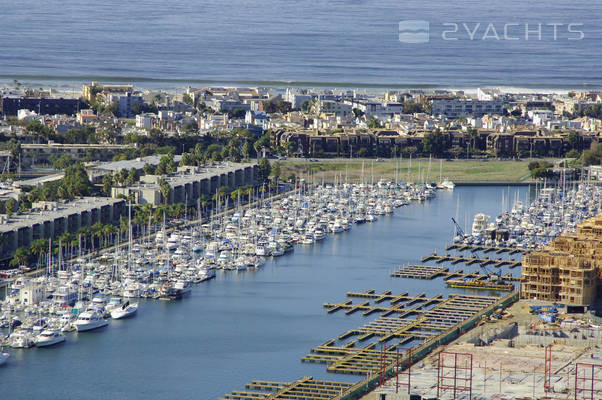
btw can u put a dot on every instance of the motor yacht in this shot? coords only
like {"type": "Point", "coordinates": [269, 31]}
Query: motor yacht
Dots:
{"type": "Point", "coordinates": [125, 311]}
{"type": "Point", "coordinates": [89, 320]}
{"type": "Point", "coordinates": [49, 337]}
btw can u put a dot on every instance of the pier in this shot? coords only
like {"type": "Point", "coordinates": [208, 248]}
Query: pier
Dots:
{"type": "Point", "coordinates": [359, 354]}
{"type": "Point", "coordinates": [428, 272]}
{"type": "Point", "coordinates": [485, 249]}
{"type": "Point", "coordinates": [305, 388]}
{"type": "Point", "coordinates": [496, 262]}
{"type": "Point", "coordinates": [399, 304]}
{"type": "Point", "coordinates": [420, 272]}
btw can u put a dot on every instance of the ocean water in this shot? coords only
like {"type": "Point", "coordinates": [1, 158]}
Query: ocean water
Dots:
{"type": "Point", "coordinates": [346, 43]}
{"type": "Point", "coordinates": [249, 325]}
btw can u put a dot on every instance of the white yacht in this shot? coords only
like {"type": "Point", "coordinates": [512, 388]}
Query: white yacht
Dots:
{"type": "Point", "coordinates": [261, 250]}
{"type": "Point", "coordinates": [131, 289]}
{"type": "Point", "coordinates": [479, 224]}
{"type": "Point", "coordinates": [88, 320]}
{"type": "Point", "coordinates": [20, 339]}
{"type": "Point", "coordinates": [126, 310]}
{"type": "Point", "coordinates": [308, 239]}
{"type": "Point", "coordinates": [446, 184]}
{"type": "Point", "coordinates": [319, 235]}
{"type": "Point", "coordinates": [183, 286]}
{"type": "Point", "coordinates": [49, 337]}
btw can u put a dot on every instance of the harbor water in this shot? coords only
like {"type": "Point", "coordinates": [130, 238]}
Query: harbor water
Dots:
{"type": "Point", "coordinates": [253, 324]}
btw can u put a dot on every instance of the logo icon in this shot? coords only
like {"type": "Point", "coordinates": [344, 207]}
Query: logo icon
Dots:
{"type": "Point", "coordinates": [414, 31]}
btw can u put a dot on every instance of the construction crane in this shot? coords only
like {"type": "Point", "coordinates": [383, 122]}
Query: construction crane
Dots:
{"type": "Point", "coordinates": [459, 230]}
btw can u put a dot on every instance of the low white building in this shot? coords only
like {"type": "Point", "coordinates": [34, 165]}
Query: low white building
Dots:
{"type": "Point", "coordinates": [340, 109]}
{"type": "Point", "coordinates": [32, 293]}
{"type": "Point", "coordinates": [456, 108]}
{"type": "Point", "coordinates": [540, 117]}
{"type": "Point", "coordinates": [145, 121]}
{"type": "Point", "coordinates": [26, 115]}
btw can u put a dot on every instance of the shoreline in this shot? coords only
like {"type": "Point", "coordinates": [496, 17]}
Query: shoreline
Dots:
{"type": "Point", "coordinates": [69, 83]}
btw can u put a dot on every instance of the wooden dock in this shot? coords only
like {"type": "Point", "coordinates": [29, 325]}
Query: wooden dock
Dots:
{"type": "Point", "coordinates": [305, 388]}
{"type": "Point", "coordinates": [415, 272]}
{"type": "Point", "coordinates": [485, 249]}
{"type": "Point", "coordinates": [358, 353]}
{"type": "Point", "coordinates": [420, 272]}
{"type": "Point", "coordinates": [496, 262]}
{"type": "Point", "coordinates": [402, 304]}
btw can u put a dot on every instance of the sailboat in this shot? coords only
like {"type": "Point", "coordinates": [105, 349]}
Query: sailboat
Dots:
{"type": "Point", "coordinates": [445, 183]}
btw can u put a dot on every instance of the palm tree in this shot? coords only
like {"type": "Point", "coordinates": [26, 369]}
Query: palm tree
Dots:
{"type": "Point", "coordinates": [38, 248]}
{"type": "Point", "coordinates": [165, 189]}
{"type": "Point", "coordinates": [20, 257]}
{"type": "Point", "coordinates": [178, 210]}
{"type": "Point", "coordinates": [97, 232]}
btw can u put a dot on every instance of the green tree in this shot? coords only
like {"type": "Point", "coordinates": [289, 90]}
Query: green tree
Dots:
{"type": "Point", "coordinates": [411, 107]}
{"type": "Point", "coordinates": [291, 148]}
{"type": "Point", "coordinates": [21, 257]}
{"type": "Point", "coordinates": [10, 206]}
{"type": "Point", "coordinates": [112, 108]}
{"type": "Point", "coordinates": [433, 143]}
{"type": "Point", "coordinates": [572, 153]}
{"type": "Point", "coordinates": [107, 183]}
{"type": "Point", "coordinates": [574, 140]}
{"type": "Point", "coordinates": [76, 181]}
{"type": "Point", "coordinates": [132, 176]}
{"type": "Point", "coordinates": [188, 159]}
{"type": "Point", "coordinates": [63, 162]}
{"type": "Point", "coordinates": [261, 144]}
{"type": "Point", "coordinates": [38, 248]}
{"type": "Point", "coordinates": [234, 154]}
{"type": "Point", "coordinates": [188, 99]}
{"type": "Point", "coordinates": [149, 169]}
{"type": "Point", "coordinates": [165, 189]}
{"type": "Point", "coordinates": [246, 150]}
{"type": "Point", "coordinates": [264, 170]}
{"type": "Point", "coordinates": [357, 113]}
{"type": "Point", "coordinates": [275, 170]}
{"type": "Point", "coordinates": [238, 113]}
{"type": "Point", "coordinates": [276, 106]}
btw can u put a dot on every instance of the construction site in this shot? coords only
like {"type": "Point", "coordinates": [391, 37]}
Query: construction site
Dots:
{"type": "Point", "coordinates": [548, 345]}
{"type": "Point", "coordinates": [518, 356]}
{"type": "Point", "coordinates": [567, 271]}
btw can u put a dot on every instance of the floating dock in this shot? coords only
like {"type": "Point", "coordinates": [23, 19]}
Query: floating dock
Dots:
{"type": "Point", "coordinates": [485, 249]}
{"type": "Point", "coordinates": [420, 272]}
{"type": "Point", "coordinates": [359, 355]}
{"type": "Point", "coordinates": [429, 272]}
{"type": "Point", "coordinates": [496, 262]}
{"type": "Point", "coordinates": [305, 388]}
{"type": "Point", "coordinates": [401, 304]}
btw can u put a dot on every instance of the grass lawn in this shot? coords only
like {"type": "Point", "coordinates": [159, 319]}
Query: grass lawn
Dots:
{"type": "Point", "coordinates": [419, 170]}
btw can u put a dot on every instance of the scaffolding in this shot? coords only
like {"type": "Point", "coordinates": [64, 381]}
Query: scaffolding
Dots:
{"type": "Point", "coordinates": [404, 368]}
{"type": "Point", "coordinates": [454, 373]}
{"type": "Point", "coordinates": [589, 383]}
{"type": "Point", "coordinates": [566, 271]}
{"type": "Point", "coordinates": [547, 377]}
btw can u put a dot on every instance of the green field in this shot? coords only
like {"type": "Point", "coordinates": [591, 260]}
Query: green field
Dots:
{"type": "Point", "coordinates": [418, 171]}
